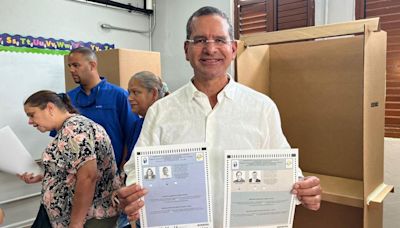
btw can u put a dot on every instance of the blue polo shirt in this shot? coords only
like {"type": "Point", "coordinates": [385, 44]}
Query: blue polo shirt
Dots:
{"type": "Point", "coordinates": [108, 106]}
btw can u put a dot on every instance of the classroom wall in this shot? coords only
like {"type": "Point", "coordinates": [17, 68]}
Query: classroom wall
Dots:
{"type": "Point", "coordinates": [23, 73]}
{"type": "Point", "coordinates": [71, 20]}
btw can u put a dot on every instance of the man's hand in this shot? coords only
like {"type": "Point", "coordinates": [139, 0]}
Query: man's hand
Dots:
{"type": "Point", "coordinates": [130, 202]}
{"type": "Point", "coordinates": [308, 191]}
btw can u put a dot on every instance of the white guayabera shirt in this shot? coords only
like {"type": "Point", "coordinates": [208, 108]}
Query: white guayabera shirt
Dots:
{"type": "Point", "coordinates": [242, 119]}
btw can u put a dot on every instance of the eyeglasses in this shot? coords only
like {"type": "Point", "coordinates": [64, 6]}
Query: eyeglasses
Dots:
{"type": "Point", "coordinates": [202, 42]}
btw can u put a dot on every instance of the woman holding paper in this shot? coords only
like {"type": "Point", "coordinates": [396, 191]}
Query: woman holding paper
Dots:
{"type": "Point", "coordinates": [80, 173]}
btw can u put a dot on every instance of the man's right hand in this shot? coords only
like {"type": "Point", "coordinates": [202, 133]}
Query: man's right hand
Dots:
{"type": "Point", "coordinates": [130, 202]}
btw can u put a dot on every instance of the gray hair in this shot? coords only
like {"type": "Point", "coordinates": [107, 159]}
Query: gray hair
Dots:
{"type": "Point", "coordinates": [151, 81]}
{"type": "Point", "coordinates": [88, 53]}
{"type": "Point", "coordinates": [204, 11]}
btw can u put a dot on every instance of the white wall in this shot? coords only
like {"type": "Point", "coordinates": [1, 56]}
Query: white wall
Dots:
{"type": "Point", "coordinates": [334, 11]}
{"type": "Point", "coordinates": [63, 19]}
{"type": "Point", "coordinates": [170, 34]}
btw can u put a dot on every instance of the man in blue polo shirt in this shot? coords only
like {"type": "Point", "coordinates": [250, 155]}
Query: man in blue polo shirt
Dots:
{"type": "Point", "coordinates": [101, 101]}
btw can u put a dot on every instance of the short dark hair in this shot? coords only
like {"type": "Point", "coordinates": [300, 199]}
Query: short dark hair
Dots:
{"type": "Point", "coordinates": [204, 11]}
{"type": "Point", "coordinates": [89, 54]}
{"type": "Point", "coordinates": [41, 98]}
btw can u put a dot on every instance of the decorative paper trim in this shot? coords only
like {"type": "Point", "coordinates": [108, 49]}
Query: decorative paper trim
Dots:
{"type": "Point", "coordinates": [29, 44]}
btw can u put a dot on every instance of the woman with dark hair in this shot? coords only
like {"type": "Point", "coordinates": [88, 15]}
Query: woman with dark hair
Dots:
{"type": "Point", "coordinates": [80, 173]}
{"type": "Point", "coordinates": [149, 174]}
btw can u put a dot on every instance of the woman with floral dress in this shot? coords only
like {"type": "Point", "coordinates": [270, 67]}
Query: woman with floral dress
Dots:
{"type": "Point", "coordinates": [80, 173]}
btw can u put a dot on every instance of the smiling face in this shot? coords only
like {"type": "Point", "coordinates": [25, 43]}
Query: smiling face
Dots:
{"type": "Point", "coordinates": [39, 118]}
{"type": "Point", "coordinates": [239, 175]}
{"type": "Point", "coordinates": [165, 171]}
{"type": "Point", "coordinates": [140, 97]}
{"type": "Point", "coordinates": [210, 60]}
{"type": "Point", "coordinates": [149, 172]}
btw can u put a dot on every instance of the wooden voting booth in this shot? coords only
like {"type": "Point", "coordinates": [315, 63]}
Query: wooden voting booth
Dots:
{"type": "Point", "coordinates": [331, 97]}
{"type": "Point", "coordinates": [118, 66]}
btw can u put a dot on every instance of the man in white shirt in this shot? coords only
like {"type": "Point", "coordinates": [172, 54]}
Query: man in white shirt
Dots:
{"type": "Point", "coordinates": [212, 108]}
{"type": "Point", "coordinates": [165, 172]}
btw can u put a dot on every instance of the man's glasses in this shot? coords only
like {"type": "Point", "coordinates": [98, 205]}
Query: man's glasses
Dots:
{"type": "Point", "coordinates": [202, 42]}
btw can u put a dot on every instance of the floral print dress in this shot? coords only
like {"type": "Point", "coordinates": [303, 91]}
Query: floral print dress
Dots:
{"type": "Point", "coordinates": [78, 141]}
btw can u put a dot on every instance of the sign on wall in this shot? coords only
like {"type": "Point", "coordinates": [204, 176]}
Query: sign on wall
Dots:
{"type": "Point", "coordinates": [18, 43]}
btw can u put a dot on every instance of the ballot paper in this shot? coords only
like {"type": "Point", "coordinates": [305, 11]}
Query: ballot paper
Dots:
{"type": "Point", "coordinates": [15, 159]}
{"type": "Point", "coordinates": [178, 182]}
{"type": "Point", "coordinates": [257, 188]}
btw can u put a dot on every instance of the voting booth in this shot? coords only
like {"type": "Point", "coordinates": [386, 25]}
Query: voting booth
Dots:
{"type": "Point", "coordinates": [118, 66]}
{"type": "Point", "coordinates": [329, 85]}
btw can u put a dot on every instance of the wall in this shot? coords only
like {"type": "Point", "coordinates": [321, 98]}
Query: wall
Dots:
{"type": "Point", "coordinates": [170, 34]}
{"type": "Point", "coordinates": [22, 74]}
{"type": "Point", "coordinates": [334, 11]}
{"type": "Point", "coordinates": [72, 20]}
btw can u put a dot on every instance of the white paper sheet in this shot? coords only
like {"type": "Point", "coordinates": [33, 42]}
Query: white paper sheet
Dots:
{"type": "Point", "coordinates": [177, 179]}
{"type": "Point", "coordinates": [15, 159]}
{"type": "Point", "coordinates": [257, 188]}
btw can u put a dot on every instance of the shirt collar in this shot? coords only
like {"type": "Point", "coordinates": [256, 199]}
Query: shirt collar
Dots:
{"type": "Point", "coordinates": [94, 89]}
{"type": "Point", "coordinates": [228, 91]}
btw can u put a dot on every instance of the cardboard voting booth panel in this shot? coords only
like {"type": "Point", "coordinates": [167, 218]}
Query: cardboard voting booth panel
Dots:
{"type": "Point", "coordinates": [118, 66]}
{"type": "Point", "coordinates": [331, 94]}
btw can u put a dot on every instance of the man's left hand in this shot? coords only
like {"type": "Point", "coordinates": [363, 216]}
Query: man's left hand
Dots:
{"type": "Point", "coordinates": [308, 191]}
